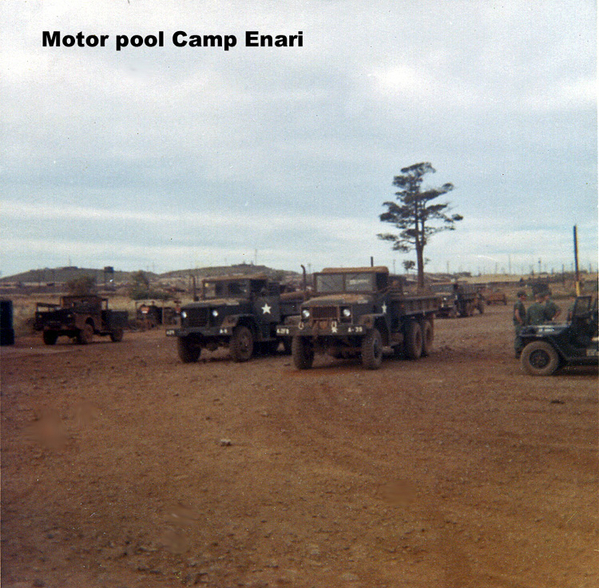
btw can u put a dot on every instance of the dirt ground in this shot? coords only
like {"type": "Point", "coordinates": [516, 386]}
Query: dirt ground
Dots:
{"type": "Point", "coordinates": [123, 467]}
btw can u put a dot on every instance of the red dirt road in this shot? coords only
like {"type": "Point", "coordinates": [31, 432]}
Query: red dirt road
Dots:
{"type": "Point", "coordinates": [123, 468]}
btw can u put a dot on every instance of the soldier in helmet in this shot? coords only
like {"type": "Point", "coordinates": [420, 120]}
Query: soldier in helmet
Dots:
{"type": "Point", "coordinates": [519, 319]}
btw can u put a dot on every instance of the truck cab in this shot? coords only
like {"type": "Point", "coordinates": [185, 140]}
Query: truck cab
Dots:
{"type": "Point", "coordinates": [356, 312]}
{"type": "Point", "coordinates": [238, 312]}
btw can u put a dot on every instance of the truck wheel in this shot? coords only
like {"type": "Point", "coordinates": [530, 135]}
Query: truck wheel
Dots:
{"type": "Point", "coordinates": [86, 334]}
{"type": "Point", "coordinates": [302, 352]}
{"type": "Point", "coordinates": [539, 359]}
{"type": "Point", "coordinates": [188, 352]}
{"type": "Point", "coordinates": [428, 336]}
{"type": "Point", "coordinates": [286, 346]}
{"type": "Point", "coordinates": [481, 307]}
{"type": "Point", "coordinates": [241, 345]}
{"type": "Point", "coordinates": [372, 350]}
{"type": "Point", "coordinates": [116, 335]}
{"type": "Point", "coordinates": [413, 341]}
{"type": "Point", "coordinates": [50, 337]}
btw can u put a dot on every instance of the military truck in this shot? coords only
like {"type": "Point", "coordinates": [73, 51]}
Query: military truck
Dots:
{"type": "Point", "coordinates": [357, 312]}
{"type": "Point", "coordinates": [458, 299]}
{"type": "Point", "coordinates": [238, 312]}
{"type": "Point", "coordinates": [551, 346]}
{"type": "Point", "coordinates": [80, 318]}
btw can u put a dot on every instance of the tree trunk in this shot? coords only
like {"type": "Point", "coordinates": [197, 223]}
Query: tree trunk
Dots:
{"type": "Point", "coordinates": [420, 264]}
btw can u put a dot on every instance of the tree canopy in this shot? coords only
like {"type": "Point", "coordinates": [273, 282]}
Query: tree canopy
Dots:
{"type": "Point", "coordinates": [415, 213]}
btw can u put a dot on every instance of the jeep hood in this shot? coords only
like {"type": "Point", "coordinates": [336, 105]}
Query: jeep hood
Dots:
{"type": "Point", "coordinates": [544, 330]}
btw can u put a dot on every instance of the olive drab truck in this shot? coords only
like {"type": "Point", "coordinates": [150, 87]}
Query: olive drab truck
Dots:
{"type": "Point", "coordinates": [357, 312]}
{"type": "Point", "coordinates": [238, 312]}
{"type": "Point", "coordinates": [80, 318]}
{"type": "Point", "coordinates": [458, 299]}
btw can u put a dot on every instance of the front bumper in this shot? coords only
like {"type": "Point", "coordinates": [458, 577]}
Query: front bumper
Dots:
{"type": "Point", "coordinates": [202, 332]}
{"type": "Point", "coordinates": [331, 330]}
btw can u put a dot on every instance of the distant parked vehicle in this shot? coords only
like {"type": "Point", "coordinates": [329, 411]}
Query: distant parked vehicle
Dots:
{"type": "Point", "coordinates": [149, 315]}
{"type": "Point", "coordinates": [80, 318]}
{"type": "Point", "coordinates": [458, 299]}
{"type": "Point", "coordinates": [494, 297]}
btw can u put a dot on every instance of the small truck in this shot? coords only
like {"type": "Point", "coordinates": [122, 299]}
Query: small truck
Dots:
{"type": "Point", "coordinates": [357, 312]}
{"type": "Point", "coordinates": [238, 312]}
{"type": "Point", "coordinates": [551, 346]}
{"type": "Point", "coordinates": [80, 318]}
{"type": "Point", "coordinates": [458, 299]}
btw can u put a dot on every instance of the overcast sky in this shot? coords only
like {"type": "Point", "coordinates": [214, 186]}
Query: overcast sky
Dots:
{"type": "Point", "coordinates": [162, 158]}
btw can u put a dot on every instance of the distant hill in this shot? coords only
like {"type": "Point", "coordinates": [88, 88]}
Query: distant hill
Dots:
{"type": "Point", "coordinates": [239, 269]}
{"type": "Point", "coordinates": [66, 274]}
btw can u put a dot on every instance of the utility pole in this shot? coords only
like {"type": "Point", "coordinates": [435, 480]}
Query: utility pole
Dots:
{"type": "Point", "coordinates": [576, 261]}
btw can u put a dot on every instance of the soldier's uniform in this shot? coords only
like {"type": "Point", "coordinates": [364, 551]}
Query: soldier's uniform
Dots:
{"type": "Point", "coordinates": [536, 314]}
{"type": "Point", "coordinates": [519, 311]}
{"type": "Point", "coordinates": [551, 309]}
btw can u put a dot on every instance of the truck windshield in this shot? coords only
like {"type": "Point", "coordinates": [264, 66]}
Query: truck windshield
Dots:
{"type": "Point", "coordinates": [333, 283]}
{"type": "Point", "coordinates": [221, 289]}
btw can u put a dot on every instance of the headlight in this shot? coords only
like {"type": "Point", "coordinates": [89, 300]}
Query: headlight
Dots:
{"type": "Point", "coordinates": [305, 313]}
{"type": "Point", "coordinates": [346, 312]}
{"type": "Point", "coordinates": [184, 314]}
{"type": "Point", "coordinates": [215, 313]}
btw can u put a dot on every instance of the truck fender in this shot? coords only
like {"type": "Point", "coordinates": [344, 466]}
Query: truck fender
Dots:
{"type": "Point", "coordinates": [245, 320]}
{"type": "Point", "coordinates": [378, 321]}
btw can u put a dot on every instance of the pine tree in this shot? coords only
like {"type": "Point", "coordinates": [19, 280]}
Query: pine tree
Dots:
{"type": "Point", "coordinates": [415, 213]}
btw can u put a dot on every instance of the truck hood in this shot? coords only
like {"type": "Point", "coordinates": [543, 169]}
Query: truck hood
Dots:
{"type": "Point", "coordinates": [217, 302]}
{"type": "Point", "coordinates": [337, 300]}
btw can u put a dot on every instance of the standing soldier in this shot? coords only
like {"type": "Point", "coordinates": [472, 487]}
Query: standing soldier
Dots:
{"type": "Point", "coordinates": [552, 310]}
{"type": "Point", "coordinates": [519, 318]}
{"type": "Point", "coordinates": [536, 313]}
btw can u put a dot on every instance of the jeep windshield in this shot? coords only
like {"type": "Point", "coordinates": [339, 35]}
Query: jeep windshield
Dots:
{"type": "Point", "coordinates": [345, 282]}
{"type": "Point", "coordinates": [226, 289]}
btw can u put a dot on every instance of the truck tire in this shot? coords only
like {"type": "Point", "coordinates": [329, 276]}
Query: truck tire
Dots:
{"type": "Point", "coordinates": [539, 359]}
{"type": "Point", "coordinates": [116, 335]}
{"type": "Point", "coordinates": [188, 352]}
{"type": "Point", "coordinates": [413, 340]}
{"type": "Point", "coordinates": [302, 353]}
{"type": "Point", "coordinates": [428, 336]}
{"type": "Point", "coordinates": [286, 345]}
{"type": "Point", "coordinates": [241, 345]}
{"type": "Point", "coordinates": [50, 337]}
{"type": "Point", "coordinates": [86, 334]}
{"type": "Point", "coordinates": [372, 350]}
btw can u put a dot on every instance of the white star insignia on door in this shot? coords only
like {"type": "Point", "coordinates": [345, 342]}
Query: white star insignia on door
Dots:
{"type": "Point", "coordinates": [384, 308]}
{"type": "Point", "coordinates": [266, 309]}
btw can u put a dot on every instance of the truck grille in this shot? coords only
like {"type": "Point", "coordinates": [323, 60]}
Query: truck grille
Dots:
{"type": "Point", "coordinates": [325, 312]}
{"type": "Point", "coordinates": [197, 317]}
